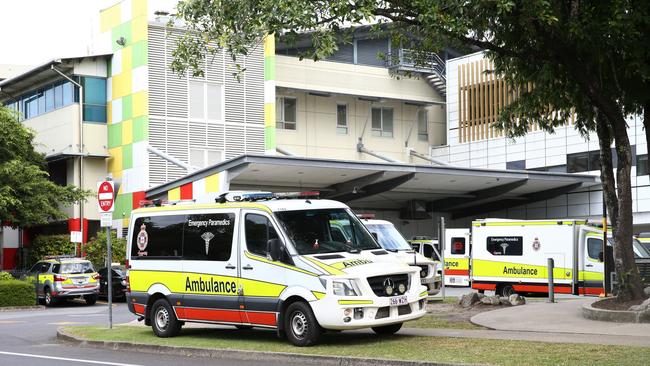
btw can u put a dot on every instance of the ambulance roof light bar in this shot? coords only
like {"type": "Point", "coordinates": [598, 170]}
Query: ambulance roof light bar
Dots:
{"type": "Point", "coordinates": [366, 216]}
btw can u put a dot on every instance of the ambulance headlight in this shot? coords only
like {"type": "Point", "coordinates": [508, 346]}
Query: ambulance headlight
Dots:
{"type": "Point", "coordinates": [345, 288]}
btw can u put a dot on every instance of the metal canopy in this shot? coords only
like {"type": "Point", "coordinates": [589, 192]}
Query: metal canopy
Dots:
{"type": "Point", "coordinates": [390, 186]}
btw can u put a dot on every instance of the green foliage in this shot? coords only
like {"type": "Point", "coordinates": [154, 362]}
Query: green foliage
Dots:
{"type": "Point", "coordinates": [6, 276]}
{"type": "Point", "coordinates": [96, 249]}
{"type": "Point", "coordinates": [27, 196]}
{"type": "Point", "coordinates": [17, 293]}
{"type": "Point", "coordinates": [44, 245]}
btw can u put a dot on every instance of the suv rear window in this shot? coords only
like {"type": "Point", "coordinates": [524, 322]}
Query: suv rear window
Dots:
{"type": "Point", "coordinates": [73, 268]}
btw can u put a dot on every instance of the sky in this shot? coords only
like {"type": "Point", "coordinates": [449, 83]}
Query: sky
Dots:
{"type": "Point", "coordinates": [35, 31]}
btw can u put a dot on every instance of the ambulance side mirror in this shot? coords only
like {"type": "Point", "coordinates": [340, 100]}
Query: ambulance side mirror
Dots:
{"type": "Point", "coordinates": [275, 249]}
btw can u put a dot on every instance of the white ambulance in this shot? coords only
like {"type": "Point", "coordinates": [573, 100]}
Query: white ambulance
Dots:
{"type": "Point", "coordinates": [390, 239]}
{"type": "Point", "coordinates": [266, 260]}
{"type": "Point", "coordinates": [457, 257]}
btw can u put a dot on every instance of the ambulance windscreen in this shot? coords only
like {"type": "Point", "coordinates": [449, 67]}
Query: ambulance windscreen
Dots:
{"type": "Point", "coordinates": [325, 231]}
{"type": "Point", "coordinates": [388, 237]}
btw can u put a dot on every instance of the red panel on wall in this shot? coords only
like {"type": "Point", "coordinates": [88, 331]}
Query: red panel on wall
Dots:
{"type": "Point", "coordinates": [9, 258]}
{"type": "Point", "coordinates": [186, 191]}
{"type": "Point", "coordinates": [73, 225]}
{"type": "Point", "coordinates": [137, 197]}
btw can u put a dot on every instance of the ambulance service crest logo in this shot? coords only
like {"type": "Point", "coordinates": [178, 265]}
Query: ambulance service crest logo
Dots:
{"type": "Point", "coordinates": [142, 240]}
{"type": "Point", "coordinates": [536, 244]}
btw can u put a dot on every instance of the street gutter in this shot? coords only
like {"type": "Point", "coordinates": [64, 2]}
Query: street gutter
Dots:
{"type": "Point", "coordinates": [242, 355]}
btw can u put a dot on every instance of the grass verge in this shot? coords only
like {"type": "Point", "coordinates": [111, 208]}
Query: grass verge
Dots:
{"type": "Point", "coordinates": [401, 347]}
{"type": "Point", "coordinates": [435, 321]}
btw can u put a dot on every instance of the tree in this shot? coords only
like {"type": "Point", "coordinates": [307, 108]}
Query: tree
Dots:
{"type": "Point", "coordinates": [560, 58]}
{"type": "Point", "coordinates": [96, 249]}
{"type": "Point", "coordinates": [27, 196]}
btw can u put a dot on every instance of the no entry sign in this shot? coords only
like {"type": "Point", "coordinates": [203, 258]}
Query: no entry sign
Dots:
{"type": "Point", "coordinates": [105, 196]}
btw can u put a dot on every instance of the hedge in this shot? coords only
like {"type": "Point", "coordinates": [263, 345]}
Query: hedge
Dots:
{"type": "Point", "coordinates": [17, 293]}
{"type": "Point", "coordinates": [44, 245]}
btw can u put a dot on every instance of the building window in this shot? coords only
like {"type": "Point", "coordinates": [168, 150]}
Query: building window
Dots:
{"type": "Point", "coordinates": [285, 113]}
{"type": "Point", "coordinates": [94, 99]}
{"type": "Point", "coordinates": [201, 158]}
{"type": "Point", "coordinates": [44, 100]}
{"type": "Point", "coordinates": [516, 165]}
{"type": "Point", "coordinates": [423, 125]}
{"type": "Point", "coordinates": [382, 121]}
{"type": "Point", "coordinates": [578, 162]}
{"type": "Point", "coordinates": [342, 119]}
{"type": "Point", "coordinates": [206, 101]}
{"type": "Point", "coordinates": [642, 164]}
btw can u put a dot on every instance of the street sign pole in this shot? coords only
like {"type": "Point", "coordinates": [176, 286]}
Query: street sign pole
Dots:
{"type": "Point", "coordinates": [105, 199]}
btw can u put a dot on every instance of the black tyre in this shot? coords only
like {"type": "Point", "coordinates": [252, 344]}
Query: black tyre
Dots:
{"type": "Point", "coordinates": [48, 300]}
{"type": "Point", "coordinates": [300, 325]}
{"type": "Point", "coordinates": [163, 319]}
{"type": "Point", "coordinates": [243, 327]}
{"type": "Point", "coordinates": [90, 299]}
{"type": "Point", "coordinates": [506, 290]}
{"type": "Point", "coordinates": [387, 329]}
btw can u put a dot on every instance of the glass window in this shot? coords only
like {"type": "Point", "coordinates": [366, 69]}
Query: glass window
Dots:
{"type": "Point", "coordinates": [197, 97]}
{"type": "Point", "coordinates": [58, 96]}
{"type": "Point", "coordinates": [94, 99]}
{"type": "Point", "coordinates": [208, 236]}
{"type": "Point", "coordinates": [68, 93]}
{"type": "Point", "coordinates": [516, 165]}
{"type": "Point", "coordinates": [76, 268]}
{"type": "Point", "coordinates": [214, 102]}
{"type": "Point", "coordinates": [41, 102]}
{"type": "Point", "coordinates": [382, 121]}
{"type": "Point", "coordinates": [423, 125]}
{"type": "Point", "coordinates": [458, 246]}
{"type": "Point", "coordinates": [594, 160]}
{"type": "Point", "coordinates": [505, 245]}
{"type": "Point", "coordinates": [49, 99]}
{"type": "Point", "coordinates": [578, 162]}
{"type": "Point", "coordinates": [311, 231]}
{"type": "Point", "coordinates": [642, 164]}
{"type": "Point", "coordinates": [259, 230]}
{"type": "Point", "coordinates": [342, 119]}
{"type": "Point", "coordinates": [594, 248]}
{"type": "Point", "coordinates": [158, 236]}
{"type": "Point", "coordinates": [286, 113]}
{"type": "Point", "coordinates": [388, 237]}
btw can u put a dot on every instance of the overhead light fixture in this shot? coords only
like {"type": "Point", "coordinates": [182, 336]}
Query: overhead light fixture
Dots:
{"type": "Point", "coordinates": [121, 41]}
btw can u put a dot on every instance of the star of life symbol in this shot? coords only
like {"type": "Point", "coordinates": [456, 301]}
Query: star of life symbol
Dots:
{"type": "Point", "coordinates": [504, 246]}
{"type": "Point", "coordinates": [536, 244]}
{"type": "Point", "coordinates": [207, 236]}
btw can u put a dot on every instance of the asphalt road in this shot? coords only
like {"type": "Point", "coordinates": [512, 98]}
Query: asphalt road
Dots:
{"type": "Point", "coordinates": [28, 337]}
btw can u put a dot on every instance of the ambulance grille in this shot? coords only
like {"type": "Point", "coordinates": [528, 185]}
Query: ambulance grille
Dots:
{"type": "Point", "coordinates": [403, 310]}
{"type": "Point", "coordinates": [383, 312]}
{"type": "Point", "coordinates": [644, 270]}
{"type": "Point", "coordinates": [379, 288]}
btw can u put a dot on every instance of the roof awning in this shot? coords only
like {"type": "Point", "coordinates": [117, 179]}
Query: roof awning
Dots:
{"type": "Point", "coordinates": [391, 186]}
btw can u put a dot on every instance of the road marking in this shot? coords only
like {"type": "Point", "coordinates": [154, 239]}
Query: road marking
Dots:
{"type": "Point", "coordinates": [66, 323]}
{"type": "Point", "coordinates": [12, 321]}
{"type": "Point", "coordinates": [67, 359]}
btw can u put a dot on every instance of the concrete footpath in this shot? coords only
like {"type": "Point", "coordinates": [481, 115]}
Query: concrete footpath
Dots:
{"type": "Point", "coordinates": [562, 320]}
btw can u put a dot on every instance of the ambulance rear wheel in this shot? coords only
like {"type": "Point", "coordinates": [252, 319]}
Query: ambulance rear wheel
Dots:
{"type": "Point", "coordinates": [300, 325]}
{"type": "Point", "coordinates": [163, 319]}
{"type": "Point", "coordinates": [506, 290]}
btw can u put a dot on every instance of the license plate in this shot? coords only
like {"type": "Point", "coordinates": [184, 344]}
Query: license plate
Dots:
{"type": "Point", "coordinates": [398, 300]}
{"type": "Point", "coordinates": [79, 282]}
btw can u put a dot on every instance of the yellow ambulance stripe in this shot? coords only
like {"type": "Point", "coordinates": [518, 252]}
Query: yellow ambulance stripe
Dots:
{"type": "Point", "coordinates": [319, 295]}
{"type": "Point", "coordinates": [526, 223]}
{"type": "Point", "coordinates": [423, 293]}
{"type": "Point", "coordinates": [590, 276]}
{"type": "Point", "coordinates": [176, 282]}
{"type": "Point", "coordinates": [484, 268]}
{"type": "Point", "coordinates": [203, 206]}
{"type": "Point", "coordinates": [276, 263]}
{"type": "Point", "coordinates": [457, 263]}
{"type": "Point", "coordinates": [355, 302]}
{"type": "Point", "coordinates": [327, 268]}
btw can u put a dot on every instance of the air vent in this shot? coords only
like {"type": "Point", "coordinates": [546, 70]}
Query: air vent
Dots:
{"type": "Point", "coordinates": [330, 256]}
{"type": "Point", "coordinates": [379, 252]}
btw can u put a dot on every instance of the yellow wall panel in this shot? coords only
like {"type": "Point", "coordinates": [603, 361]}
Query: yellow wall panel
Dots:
{"type": "Point", "coordinates": [139, 29]}
{"type": "Point", "coordinates": [115, 162]}
{"type": "Point", "coordinates": [269, 45]}
{"type": "Point", "coordinates": [126, 58]}
{"type": "Point", "coordinates": [174, 194]}
{"type": "Point", "coordinates": [138, 7]}
{"type": "Point", "coordinates": [140, 104]}
{"type": "Point", "coordinates": [127, 132]}
{"type": "Point", "coordinates": [109, 18]}
{"type": "Point", "coordinates": [212, 183]}
{"type": "Point", "coordinates": [269, 114]}
{"type": "Point", "coordinates": [122, 84]}
{"type": "Point", "coordinates": [109, 112]}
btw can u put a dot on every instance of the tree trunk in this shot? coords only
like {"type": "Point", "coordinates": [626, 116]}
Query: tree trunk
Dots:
{"type": "Point", "coordinates": [607, 168]}
{"type": "Point", "coordinates": [630, 286]}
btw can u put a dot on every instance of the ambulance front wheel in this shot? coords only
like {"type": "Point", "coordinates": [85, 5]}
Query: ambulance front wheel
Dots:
{"type": "Point", "coordinates": [163, 319]}
{"type": "Point", "coordinates": [506, 290]}
{"type": "Point", "coordinates": [301, 327]}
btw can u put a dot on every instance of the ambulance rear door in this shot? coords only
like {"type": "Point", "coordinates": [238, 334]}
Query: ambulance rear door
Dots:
{"type": "Point", "coordinates": [457, 257]}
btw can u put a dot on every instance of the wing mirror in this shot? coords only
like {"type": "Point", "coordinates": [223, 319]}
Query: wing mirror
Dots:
{"type": "Point", "coordinates": [601, 257]}
{"type": "Point", "coordinates": [275, 248]}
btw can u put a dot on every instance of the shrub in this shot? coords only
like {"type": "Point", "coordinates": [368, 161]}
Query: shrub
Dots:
{"type": "Point", "coordinates": [96, 249]}
{"type": "Point", "coordinates": [44, 245]}
{"type": "Point", "coordinates": [6, 276]}
{"type": "Point", "coordinates": [17, 293]}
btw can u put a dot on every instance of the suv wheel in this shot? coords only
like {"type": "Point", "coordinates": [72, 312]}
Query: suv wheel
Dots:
{"type": "Point", "coordinates": [301, 326]}
{"type": "Point", "coordinates": [163, 319]}
{"type": "Point", "coordinates": [90, 299]}
{"type": "Point", "coordinates": [387, 329]}
{"type": "Point", "coordinates": [49, 300]}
